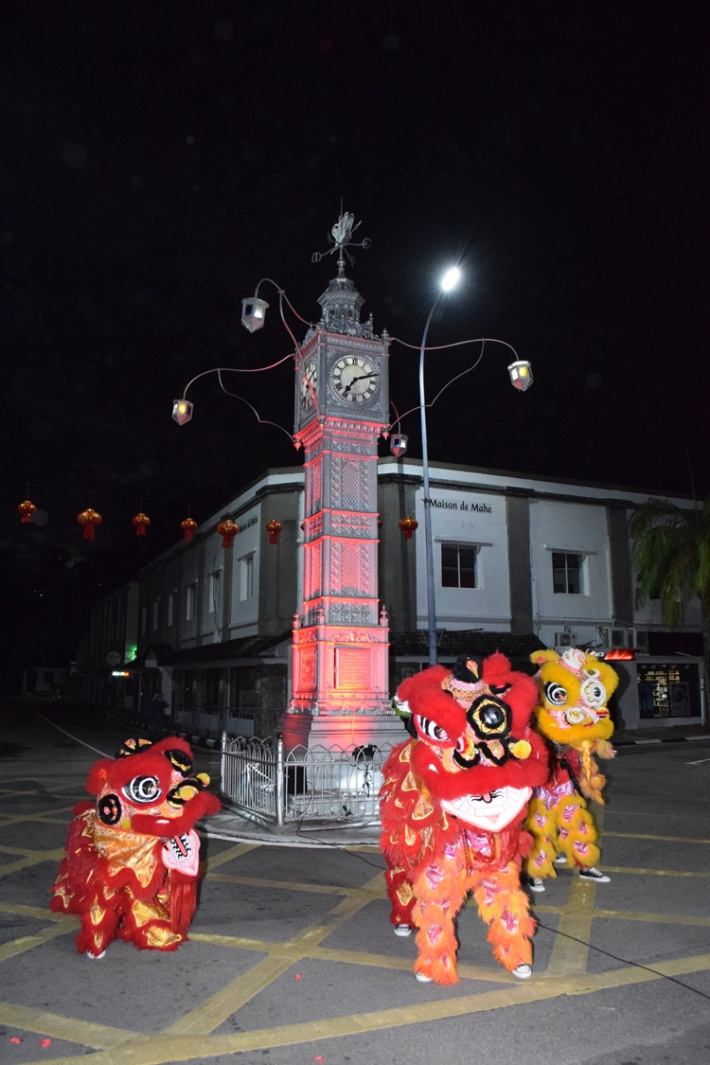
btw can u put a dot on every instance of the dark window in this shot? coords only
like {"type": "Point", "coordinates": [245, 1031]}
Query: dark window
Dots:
{"type": "Point", "coordinates": [458, 566]}
{"type": "Point", "coordinates": [567, 572]}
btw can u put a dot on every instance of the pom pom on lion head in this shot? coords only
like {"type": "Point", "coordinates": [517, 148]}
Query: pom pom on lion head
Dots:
{"type": "Point", "coordinates": [474, 750]}
{"type": "Point", "coordinates": [574, 690]}
{"type": "Point", "coordinates": [150, 789]}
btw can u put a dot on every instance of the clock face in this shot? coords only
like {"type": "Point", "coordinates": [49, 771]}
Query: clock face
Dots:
{"type": "Point", "coordinates": [355, 379]}
{"type": "Point", "coordinates": [309, 383]}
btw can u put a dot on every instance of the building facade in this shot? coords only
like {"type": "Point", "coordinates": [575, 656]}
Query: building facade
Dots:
{"type": "Point", "coordinates": [519, 563]}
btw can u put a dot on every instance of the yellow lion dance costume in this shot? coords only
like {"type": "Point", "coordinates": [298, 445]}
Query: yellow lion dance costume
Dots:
{"type": "Point", "coordinates": [572, 714]}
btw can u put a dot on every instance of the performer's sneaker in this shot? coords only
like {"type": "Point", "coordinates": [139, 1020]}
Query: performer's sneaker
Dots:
{"type": "Point", "coordinates": [95, 957]}
{"type": "Point", "coordinates": [402, 930]}
{"type": "Point", "coordinates": [561, 859]}
{"type": "Point", "coordinates": [523, 972]}
{"type": "Point", "coordinates": [536, 884]}
{"type": "Point", "coordinates": [423, 978]}
{"type": "Point", "coordinates": [594, 874]}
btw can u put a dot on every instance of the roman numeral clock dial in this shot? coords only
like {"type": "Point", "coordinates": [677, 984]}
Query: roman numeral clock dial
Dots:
{"type": "Point", "coordinates": [355, 379]}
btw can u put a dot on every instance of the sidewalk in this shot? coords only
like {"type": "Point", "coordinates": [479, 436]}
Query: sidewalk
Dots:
{"type": "Point", "coordinates": [229, 825]}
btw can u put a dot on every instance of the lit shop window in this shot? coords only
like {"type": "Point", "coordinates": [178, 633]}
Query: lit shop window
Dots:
{"type": "Point", "coordinates": [458, 566]}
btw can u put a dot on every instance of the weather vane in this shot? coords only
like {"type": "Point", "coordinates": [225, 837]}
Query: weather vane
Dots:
{"type": "Point", "coordinates": [341, 238]}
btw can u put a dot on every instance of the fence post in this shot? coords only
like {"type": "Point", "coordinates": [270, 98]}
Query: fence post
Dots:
{"type": "Point", "coordinates": [223, 759]}
{"type": "Point", "coordinates": [279, 792]}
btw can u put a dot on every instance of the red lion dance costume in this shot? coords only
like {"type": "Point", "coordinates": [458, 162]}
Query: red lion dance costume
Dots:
{"type": "Point", "coordinates": [572, 714]}
{"type": "Point", "coordinates": [132, 861]}
{"type": "Point", "coordinates": [452, 807]}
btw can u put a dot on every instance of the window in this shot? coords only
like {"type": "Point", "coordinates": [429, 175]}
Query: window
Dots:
{"type": "Point", "coordinates": [156, 614]}
{"type": "Point", "coordinates": [213, 593]}
{"type": "Point", "coordinates": [246, 577]}
{"type": "Point", "coordinates": [458, 566]}
{"type": "Point", "coordinates": [190, 593]}
{"type": "Point", "coordinates": [568, 573]}
{"type": "Point", "coordinates": [171, 608]}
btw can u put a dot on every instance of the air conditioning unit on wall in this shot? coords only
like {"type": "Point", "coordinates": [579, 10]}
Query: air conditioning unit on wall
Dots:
{"type": "Point", "coordinates": [565, 639]}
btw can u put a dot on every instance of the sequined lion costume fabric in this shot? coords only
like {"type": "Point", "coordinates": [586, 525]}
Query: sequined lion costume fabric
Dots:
{"type": "Point", "coordinates": [572, 714]}
{"type": "Point", "coordinates": [132, 862]}
{"type": "Point", "coordinates": [453, 803]}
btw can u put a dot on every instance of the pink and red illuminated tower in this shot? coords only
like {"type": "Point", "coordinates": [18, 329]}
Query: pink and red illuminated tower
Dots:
{"type": "Point", "coordinates": [341, 636]}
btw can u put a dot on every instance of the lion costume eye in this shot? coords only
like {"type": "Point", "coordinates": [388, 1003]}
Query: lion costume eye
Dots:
{"type": "Point", "coordinates": [142, 789]}
{"type": "Point", "coordinates": [574, 716]}
{"type": "Point", "coordinates": [431, 730]}
{"type": "Point", "coordinates": [594, 692]}
{"type": "Point", "coordinates": [555, 694]}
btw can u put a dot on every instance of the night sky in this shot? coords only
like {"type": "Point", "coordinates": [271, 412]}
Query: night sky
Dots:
{"type": "Point", "coordinates": [159, 159]}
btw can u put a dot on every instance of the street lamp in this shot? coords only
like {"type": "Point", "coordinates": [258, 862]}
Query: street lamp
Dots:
{"type": "Point", "coordinates": [448, 282]}
{"type": "Point", "coordinates": [521, 378]}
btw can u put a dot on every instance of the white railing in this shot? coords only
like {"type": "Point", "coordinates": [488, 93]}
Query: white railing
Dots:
{"type": "Point", "coordinates": [266, 783]}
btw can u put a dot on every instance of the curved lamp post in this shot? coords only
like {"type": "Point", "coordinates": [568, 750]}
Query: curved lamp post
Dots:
{"type": "Point", "coordinates": [448, 282]}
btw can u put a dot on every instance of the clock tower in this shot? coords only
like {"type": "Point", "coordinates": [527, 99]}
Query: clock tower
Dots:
{"type": "Point", "coordinates": [341, 636]}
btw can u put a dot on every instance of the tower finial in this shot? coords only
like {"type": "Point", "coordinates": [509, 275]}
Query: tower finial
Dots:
{"type": "Point", "coordinates": [340, 237]}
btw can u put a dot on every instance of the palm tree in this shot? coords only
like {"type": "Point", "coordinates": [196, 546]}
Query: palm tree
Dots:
{"type": "Point", "coordinates": [671, 553]}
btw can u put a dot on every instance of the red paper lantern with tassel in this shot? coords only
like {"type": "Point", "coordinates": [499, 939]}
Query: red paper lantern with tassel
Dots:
{"type": "Point", "coordinates": [227, 529]}
{"type": "Point", "coordinates": [408, 525]}
{"type": "Point", "coordinates": [141, 522]}
{"type": "Point", "coordinates": [26, 510]}
{"type": "Point", "coordinates": [189, 528]}
{"type": "Point", "coordinates": [273, 528]}
{"type": "Point", "coordinates": [89, 519]}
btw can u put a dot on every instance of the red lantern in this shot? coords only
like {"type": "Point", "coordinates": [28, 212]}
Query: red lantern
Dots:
{"type": "Point", "coordinates": [408, 525]}
{"type": "Point", "coordinates": [89, 519]}
{"type": "Point", "coordinates": [273, 528]}
{"type": "Point", "coordinates": [141, 522]}
{"type": "Point", "coordinates": [189, 528]}
{"type": "Point", "coordinates": [227, 529]}
{"type": "Point", "coordinates": [26, 510]}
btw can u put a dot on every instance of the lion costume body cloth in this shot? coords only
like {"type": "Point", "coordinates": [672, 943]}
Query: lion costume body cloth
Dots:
{"type": "Point", "coordinates": [452, 809]}
{"type": "Point", "coordinates": [572, 714]}
{"type": "Point", "coordinates": [132, 862]}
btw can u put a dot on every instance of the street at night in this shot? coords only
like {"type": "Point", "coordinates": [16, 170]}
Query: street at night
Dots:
{"type": "Point", "coordinates": [292, 959]}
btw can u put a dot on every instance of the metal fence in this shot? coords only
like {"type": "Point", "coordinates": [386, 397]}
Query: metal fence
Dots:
{"type": "Point", "coordinates": [264, 782]}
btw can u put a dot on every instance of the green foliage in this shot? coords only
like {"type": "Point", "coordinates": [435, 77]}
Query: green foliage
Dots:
{"type": "Point", "coordinates": [671, 553]}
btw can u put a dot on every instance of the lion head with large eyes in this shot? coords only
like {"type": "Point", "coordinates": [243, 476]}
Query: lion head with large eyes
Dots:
{"type": "Point", "coordinates": [474, 750]}
{"type": "Point", "coordinates": [574, 691]}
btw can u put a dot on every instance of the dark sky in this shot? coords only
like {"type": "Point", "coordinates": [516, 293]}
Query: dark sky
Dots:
{"type": "Point", "coordinates": [158, 159]}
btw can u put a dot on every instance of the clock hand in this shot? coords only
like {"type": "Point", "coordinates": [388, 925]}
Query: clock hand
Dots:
{"type": "Point", "coordinates": [362, 377]}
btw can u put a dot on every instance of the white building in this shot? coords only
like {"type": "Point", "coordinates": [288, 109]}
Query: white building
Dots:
{"type": "Point", "coordinates": [519, 562]}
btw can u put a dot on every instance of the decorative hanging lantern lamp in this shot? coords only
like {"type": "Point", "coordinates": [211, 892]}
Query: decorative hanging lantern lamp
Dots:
{"type": "Point", "coordinates": [141, 522]}
{"type": "Point", "coordinates": [26, 510]}
{"type": "Point", "coordinates": [521, 376]}
{"type": "Point", "coordinates": [227, 529]}
{"type": "Point", "coordinates": [253, 313]}
{"type": "Point", "coordinates": [398, 444]}
{"type": "Point", "coordinates": [182, 411]}
{"type": "Point", "coordinates": [189, 528]}
{"type": "Point", "coordinates": [408, 525]}
{"type": "Point", "coordinates": [89, 519]}
{"type": "Point", "coordinates": [273, 528]}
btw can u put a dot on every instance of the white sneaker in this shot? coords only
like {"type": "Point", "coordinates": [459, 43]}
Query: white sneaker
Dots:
{"type": "Point", "coordinates": [402, 930]}
{"type": "Point", "coordinates": [523, 972]}
{"type": "Point", "coordinates": [536, 884]}
{"type": "Point", "coordinates": [594, 874]}
{"type": "Point", "coordinates": [560, 859]}
{"type": "Point", "coordinates": [95, 957]}
{"type": "Point", "coordinates": [423, 978]}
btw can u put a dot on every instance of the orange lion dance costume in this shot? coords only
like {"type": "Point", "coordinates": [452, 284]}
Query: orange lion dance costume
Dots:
{"type": "Point", "coordinates": [132, 862]}
{"type": "Point", "coordinates": [452, 807]}
{"type": "Point", "coordinates": [572, 714]}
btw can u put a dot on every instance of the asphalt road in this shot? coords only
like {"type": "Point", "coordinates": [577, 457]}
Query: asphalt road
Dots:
{"type": "Point", "coordinates": [291, 958]}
